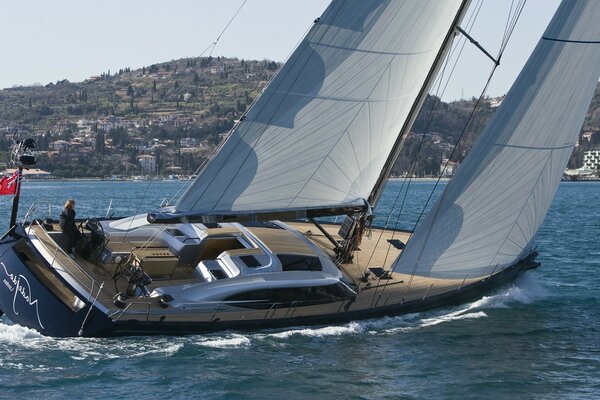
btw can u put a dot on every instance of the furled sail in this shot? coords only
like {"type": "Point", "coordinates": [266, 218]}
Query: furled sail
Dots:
{"type": "Point", "coordinates": [320, 133]}
{"type": "Point", "coordinates": [489, 213]}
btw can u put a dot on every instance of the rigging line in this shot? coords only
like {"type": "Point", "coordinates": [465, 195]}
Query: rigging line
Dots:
{"type": "Point", "coordinates": [272, 81]}
{"type": "Point", "coordinates": [469, 119]}
{"type": "Point", "coordinates": [301, 70]}
{"type": "Point", "coordinates": [438, 93]}
{"type": "Point", "coordinates": [312, 177]}
{"type": "Point", "coordinates": [469, 24]}
{"type": "Point", "coordinates": [508, 21]}
{"type": "Point", "coordinates": [432, 113]}
{"type": "Point", "coordinates": [515, 19]}
{"type": "Point", "coordinates": [137, 210]}
{"type": "Point", "coordinates": [214, 44]}
{"type": "Point", "coordinates": [411, 172]}
{"type": "Point", "coordinates": [501, 51]}
{"type": "Point", "coordinates": [531, 193]}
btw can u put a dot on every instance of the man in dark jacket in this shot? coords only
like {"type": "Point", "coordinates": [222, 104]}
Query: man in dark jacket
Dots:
{"type": "Point", "coordinates": [67, 225]}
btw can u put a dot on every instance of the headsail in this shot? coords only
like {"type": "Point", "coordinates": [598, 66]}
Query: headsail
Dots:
{"type": "Point", "coordinates": [321, 131]}
{"type": "Point", "coordinates": [489, 213]}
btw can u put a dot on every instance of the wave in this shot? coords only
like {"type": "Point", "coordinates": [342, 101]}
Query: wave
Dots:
{"type": "Point", "coordinates": [229, 341]}
{"type": "Point", "coordinates": [12, 334]}
{"type": "Point", "coordinates": [79, 349]}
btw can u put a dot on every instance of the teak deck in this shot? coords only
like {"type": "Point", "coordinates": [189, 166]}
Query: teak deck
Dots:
{"type": "Point", "coordinates": [369, 270]}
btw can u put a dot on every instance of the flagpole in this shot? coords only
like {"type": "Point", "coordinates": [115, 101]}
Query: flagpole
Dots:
{"type": "Point", "coordinates": [15, 203]}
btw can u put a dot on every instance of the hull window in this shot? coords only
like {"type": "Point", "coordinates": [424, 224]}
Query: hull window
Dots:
{"type": "Point", "coordinates": [288, 297]}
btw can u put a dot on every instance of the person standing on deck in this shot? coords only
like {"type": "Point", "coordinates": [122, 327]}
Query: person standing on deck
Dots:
{"type": "Point", "coordinates": [67, 225]}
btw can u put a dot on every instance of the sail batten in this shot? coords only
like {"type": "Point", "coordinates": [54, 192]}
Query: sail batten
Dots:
{"type": "Point", "coordinates": [321, 132]}
{"type": "Point", "coordinates": [489, 214]}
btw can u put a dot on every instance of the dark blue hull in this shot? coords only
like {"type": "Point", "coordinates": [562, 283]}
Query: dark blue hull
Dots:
{"type": "Point", "coordinates": [25, 300]}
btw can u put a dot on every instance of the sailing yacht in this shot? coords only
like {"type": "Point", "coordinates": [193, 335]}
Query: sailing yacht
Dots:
{"type": "Point", "coordinates": [244, 246]}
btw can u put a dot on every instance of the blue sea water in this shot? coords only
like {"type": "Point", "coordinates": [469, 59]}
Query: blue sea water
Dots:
{"type": "Point", "coordinates": [538, 338]}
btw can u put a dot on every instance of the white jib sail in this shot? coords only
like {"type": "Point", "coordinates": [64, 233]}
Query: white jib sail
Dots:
{"type": "Point", "coordinates": [489, 213]}
{"type": "Point", "coordinates": [320, 133]}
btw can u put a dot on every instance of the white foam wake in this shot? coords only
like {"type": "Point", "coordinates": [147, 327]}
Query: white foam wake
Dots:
{"type": "Point", "coordinates": [229, 341]}
{"type": "Point", "coordinates": [12, 334]}
{"type": "Point", "coordinates": [336, 330]}
{"type": "Point", "coordinates": [525, 291]}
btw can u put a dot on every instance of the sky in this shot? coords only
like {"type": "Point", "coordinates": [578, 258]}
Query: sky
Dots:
{"type": "Point", "coordinates": [45, 41]}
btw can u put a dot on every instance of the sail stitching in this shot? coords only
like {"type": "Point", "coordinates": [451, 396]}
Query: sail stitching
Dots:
{"type": "Point", "coordinates": [371, 51]}
{"type": "Point", "coordinates": [531, 193]}
{"type": "Point", "coordinates": [349, 124]}
{"type": "Point", "coordinates": [260, 136]}
{"type": "Point", "coordinates": [436, 207]}
{"type": "Point", "coordinates": [284, 135]}
{"type": "Point", "coordinates": [257, 140]}
{"type": "Point", "coordinates": [349, 99]}
{"type": "Point", "coordinates": [431, 114]}
{"type": "Point", "coordinates": [523, 147]}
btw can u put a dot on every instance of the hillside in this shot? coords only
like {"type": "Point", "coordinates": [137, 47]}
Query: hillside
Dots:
{"type": "Point", "coordinates": [177, 112]}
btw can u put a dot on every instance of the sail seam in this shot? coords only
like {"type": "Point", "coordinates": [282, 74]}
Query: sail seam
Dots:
{"type": "Point", "coordinates": [263, 131]}
{"type": "Point", "coordinates": [571, 41]}
{"type": "Point", "coordinates": [369, 51]}
{"type": "Point", "coordinates": [349, 124]}
{"type": "Point", "coordinates": [531, 193]}
{"type": "Point", "coordinates": [354, 100]}
{"type": "Point", "coordinates": [513, 146]}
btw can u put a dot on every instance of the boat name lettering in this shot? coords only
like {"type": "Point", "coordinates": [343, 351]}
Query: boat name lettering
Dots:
{"type": "Point", "coordinates": [23, 288]}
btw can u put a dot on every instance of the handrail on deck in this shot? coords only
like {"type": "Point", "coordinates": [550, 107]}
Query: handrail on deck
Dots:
{"type": "Point", "coordinates": [93, 282]}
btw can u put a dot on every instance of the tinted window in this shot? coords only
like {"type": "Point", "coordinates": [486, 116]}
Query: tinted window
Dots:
{"type": "Point", "coordinates": [286, 297]}
{"type": "Point", "coordinates": [217, 273]}
{"type": "Point", "coordinates": [175, 232]}
{"type": "Point", "coordinates": [250, 261]}
{"type": "Point", "coordinates": [294, 262]}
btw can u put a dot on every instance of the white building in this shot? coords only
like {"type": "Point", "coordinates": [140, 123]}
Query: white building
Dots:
{"type": "Point", "coordinates": [591, 159]}
{"type": "Point", "coordinates": [148, 164]}
{"type": "Point", "coordinates": [448, 168]}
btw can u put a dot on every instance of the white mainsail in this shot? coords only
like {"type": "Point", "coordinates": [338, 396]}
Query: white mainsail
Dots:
{"type": "Point", "coordinates": [489, 213]}
{"type": "Point", "coordinates": [321, 132]}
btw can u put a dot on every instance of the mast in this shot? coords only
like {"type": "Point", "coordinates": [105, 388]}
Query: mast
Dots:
{"type": "Point", "coordinates": [15, 202]}
{"type": "Point", "coordinates": [318, 137]}
{"type": "Point", "coordinates": [21, 157]}
{"type": "Point", "coordinates": [387, 169]}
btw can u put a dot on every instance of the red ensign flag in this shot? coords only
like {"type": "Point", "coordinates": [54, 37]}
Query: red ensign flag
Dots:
{"type": "Point", "coordinates": [8, 184]}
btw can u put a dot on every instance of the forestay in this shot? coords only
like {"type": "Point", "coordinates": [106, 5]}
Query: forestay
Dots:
{"type": "Point", "coordinates": [489, 213]}
{"type": "Point", "coordinates": [320, 133]}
